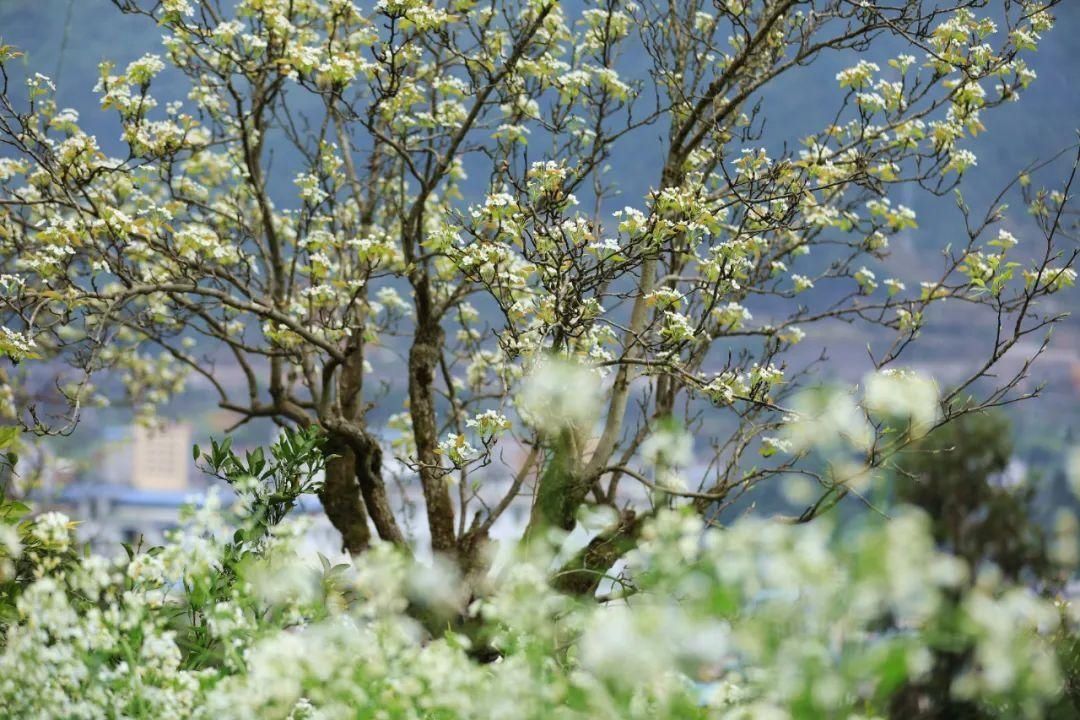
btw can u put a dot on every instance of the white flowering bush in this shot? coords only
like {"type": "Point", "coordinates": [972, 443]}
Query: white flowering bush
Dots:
{"type": "Point", "coordinates": [758, 620]}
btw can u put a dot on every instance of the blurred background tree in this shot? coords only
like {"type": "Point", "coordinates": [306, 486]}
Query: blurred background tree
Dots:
{"type": "Point", "coordinates": [981, 503]}
{"type": "Point", "coordinates": [983, 508]}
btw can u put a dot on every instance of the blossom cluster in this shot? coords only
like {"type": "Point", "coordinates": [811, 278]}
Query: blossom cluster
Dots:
{"type": "Point", "coordinates": [758, 620]}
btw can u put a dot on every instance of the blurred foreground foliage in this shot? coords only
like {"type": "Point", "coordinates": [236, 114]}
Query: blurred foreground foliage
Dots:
{"type": "Point", "coordinates": [233, 618]}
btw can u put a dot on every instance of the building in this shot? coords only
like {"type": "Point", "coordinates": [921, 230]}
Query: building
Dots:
{"type": "Point", "coordinates": [161, 457]}
{"type": "Point", "coordinates": [112, 514]}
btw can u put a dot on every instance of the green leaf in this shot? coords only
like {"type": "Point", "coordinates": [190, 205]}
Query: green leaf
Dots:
{"type": "Point", "coordinates": [8, 437]}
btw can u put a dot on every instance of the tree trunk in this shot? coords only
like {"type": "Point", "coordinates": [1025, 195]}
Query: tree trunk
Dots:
{"type": "Point", "coordinates": [423, 357]}
{"type": "Point", "coordinates": [583, 573]}
{"type": "Point", "coordinates": [341, 499]}
{"type": "Point", "coordinates": [369, 476]}
{"type": "Point", "coordinates": [561, 490]}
